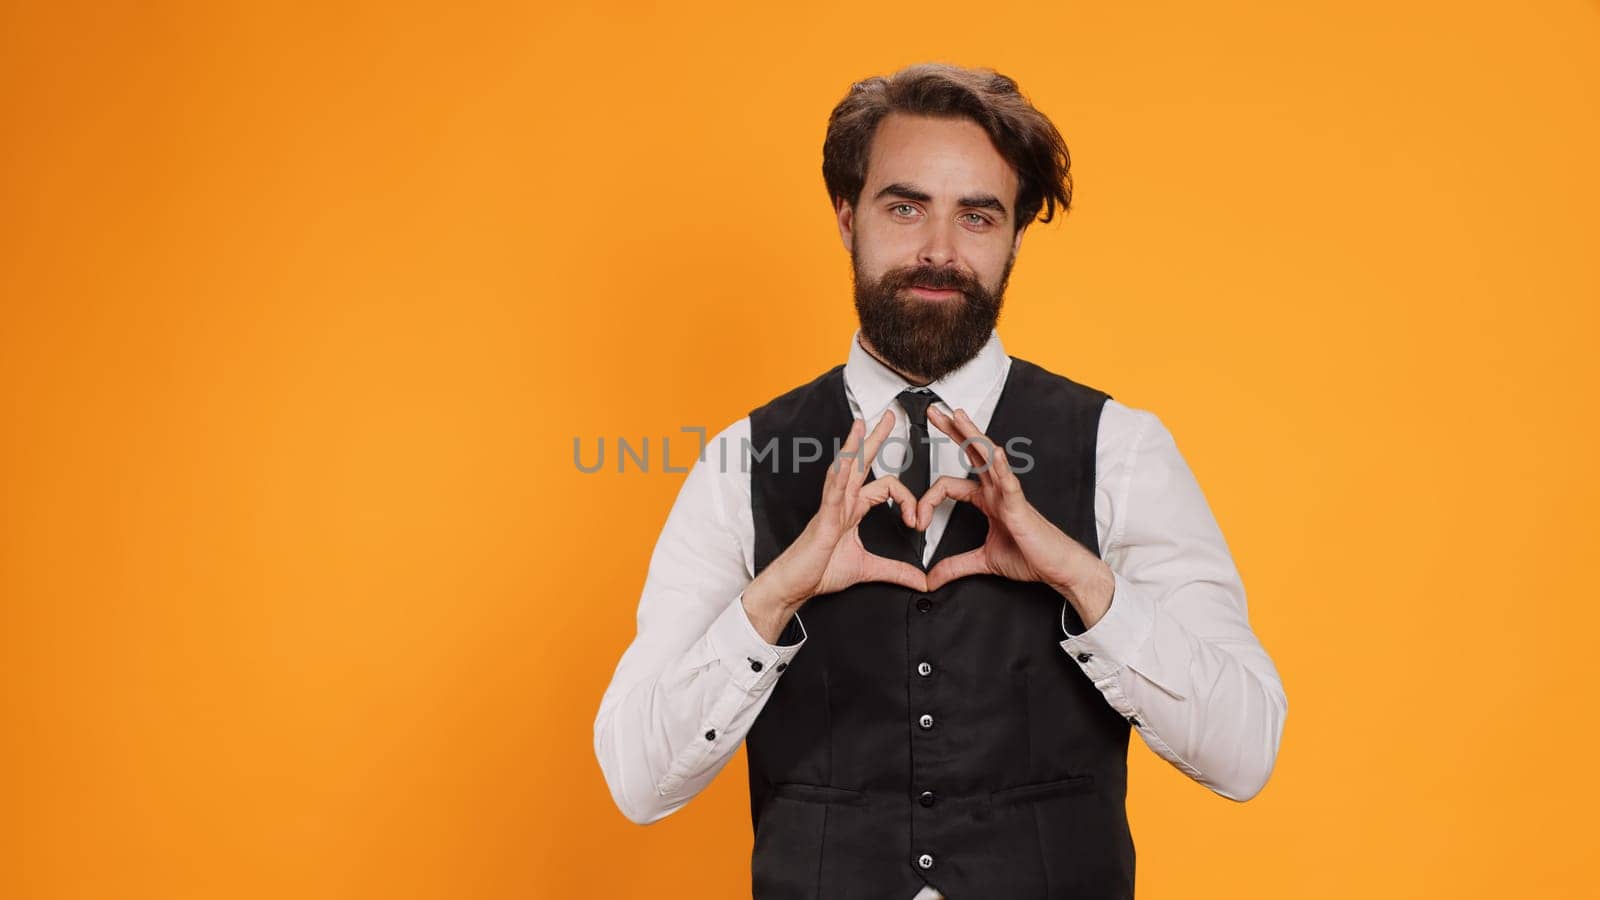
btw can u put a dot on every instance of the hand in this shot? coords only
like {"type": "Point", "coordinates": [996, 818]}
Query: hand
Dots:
{"type": "Point", "coordinates": [1022, 544]}
{"type": "Point", "coordinates": [828, 555]}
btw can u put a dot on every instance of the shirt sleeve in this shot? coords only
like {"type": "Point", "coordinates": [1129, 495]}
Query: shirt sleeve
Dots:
{"type": "Point", "coordinates": [1174, 653]}
{"type": "Point", "coordinates": [697, 673]}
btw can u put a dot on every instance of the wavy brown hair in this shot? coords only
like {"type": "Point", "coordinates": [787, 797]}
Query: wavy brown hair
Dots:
{"type": "Point", "coordinates": [1025, 137]}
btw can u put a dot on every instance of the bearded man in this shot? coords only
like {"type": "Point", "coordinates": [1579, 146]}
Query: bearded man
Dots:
{"type": "Point", "coordinates": [936, 640]}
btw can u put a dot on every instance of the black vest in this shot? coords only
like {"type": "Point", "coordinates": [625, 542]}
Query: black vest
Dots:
{"type": "Point", "coordinates": [1016, 786]}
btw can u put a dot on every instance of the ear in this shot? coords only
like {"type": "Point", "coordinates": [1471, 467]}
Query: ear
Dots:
{"type": "Point", "coordinates": [1016, 242]}
{"type": "Point", "coordinates": [847, 222]}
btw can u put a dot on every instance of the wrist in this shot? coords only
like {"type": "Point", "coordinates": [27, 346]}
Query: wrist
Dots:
{"type": "Point", "coordinates": [767, 610]}
{"type": "Point", "coordinates": [768, 594]}
{"type": "Point", "coordinates": [1089, 591]}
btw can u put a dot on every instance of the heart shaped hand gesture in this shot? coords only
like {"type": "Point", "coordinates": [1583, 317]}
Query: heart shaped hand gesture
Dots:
{"type": "Point", "coordinates": [1022, 544]}
{"type": "Point", "coordinates": [828, 556]}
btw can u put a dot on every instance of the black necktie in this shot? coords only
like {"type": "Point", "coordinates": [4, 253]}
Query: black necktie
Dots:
{"type": "Point", "coordinates": [918, 470]}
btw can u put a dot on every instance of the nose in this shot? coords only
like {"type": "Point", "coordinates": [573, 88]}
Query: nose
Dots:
{"type": "Point", "coordinates": [939, 248]}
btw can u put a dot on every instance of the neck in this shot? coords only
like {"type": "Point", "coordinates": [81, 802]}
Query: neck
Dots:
{"type": "Point", "coordinates": [912, 377]}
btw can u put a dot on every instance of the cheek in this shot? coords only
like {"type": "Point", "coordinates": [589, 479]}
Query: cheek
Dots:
{"type": "Point", "coordinates": [992, 264]}
{"type": "Point", "coordinates": [872, 262]}
{"type": "Point", "coordinates": [882, 249]}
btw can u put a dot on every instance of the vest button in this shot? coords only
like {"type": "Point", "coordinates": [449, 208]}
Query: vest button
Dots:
{"type": "Point", "coordinates": [755, 665]}
{"type": "Point", "coordinates": [924, 604]}
{"type": "Point", "coordinates": [926, 721]}
{"type": "Point", "coordinates": [1085, 657]}
{"type": "Point", "coordinates": [925, 861]}
{"type": "Point", "coordinates": [782, 666]}
{"type": "Point", "coordinates": [924, 669]}
{"type": "Point", "coordinates": [926, 798]}
{"type": "Point", "coordinates": [711, 735]}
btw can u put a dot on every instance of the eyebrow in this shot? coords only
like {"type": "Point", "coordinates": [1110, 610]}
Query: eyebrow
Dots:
{"type": "Point", "coordinates": [907, 192]}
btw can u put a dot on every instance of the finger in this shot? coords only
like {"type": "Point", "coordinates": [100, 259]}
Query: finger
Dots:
{"type": "Point", "coordinates": [999, 464]}
{"type": "Point", "coordinates": [852, 438]}
{"type": "Point", "coordinates": [879, 434]}
{"type": "Point", "coordinates": [939, 420]}
{"type": "Point", "coordinates": [884, 488]}
{"type": "Point", "coordinates": [877, 568]}
{"type": "Point", "coordinates": [980, 443]}
{"type": "Point", "coordinates": [971, 441]}
{"type": "Point", "coordinates": [972, 562]}
{"type": "Point", "coordinates": [833, 484]}
{"type": "Point", "coordinates": [946, 486]}
{"type": "Point", "coordinates": [994, 454]}
{"type": "Point", "coordinates": [955, 431]}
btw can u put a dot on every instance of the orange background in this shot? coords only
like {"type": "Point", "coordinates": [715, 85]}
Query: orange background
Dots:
{"type": "Point", "coordinates": [303, 308]}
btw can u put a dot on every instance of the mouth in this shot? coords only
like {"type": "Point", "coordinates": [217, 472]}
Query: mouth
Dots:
{"type": "Point", "coordinates": [934, 293]}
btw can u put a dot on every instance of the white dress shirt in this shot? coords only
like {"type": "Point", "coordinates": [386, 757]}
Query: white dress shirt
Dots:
{"type": "Point", "coordinates": [1174, 653]}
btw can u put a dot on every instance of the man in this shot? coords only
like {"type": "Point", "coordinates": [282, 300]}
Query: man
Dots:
{"type": "Point", "coordinates": [1002, 572]}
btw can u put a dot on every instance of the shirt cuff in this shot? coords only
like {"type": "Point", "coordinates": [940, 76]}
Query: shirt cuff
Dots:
{"type": "Point", "coordinates": [1111, 643]}
{"type": "Point", "coordinates": [752, 663]}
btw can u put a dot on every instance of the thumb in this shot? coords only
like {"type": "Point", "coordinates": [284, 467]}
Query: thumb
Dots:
{"type": "Point", "coordinates": [973, 562]}
{"type": "Point", "coordinates": [878, 568]}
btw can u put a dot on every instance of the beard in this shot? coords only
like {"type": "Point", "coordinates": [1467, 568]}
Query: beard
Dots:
{"type": "Point", "coordinates": [930, 338]}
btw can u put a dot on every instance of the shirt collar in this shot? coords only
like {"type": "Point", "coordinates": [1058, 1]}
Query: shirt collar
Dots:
{"type": "Point", "coordinates": [875, 385]}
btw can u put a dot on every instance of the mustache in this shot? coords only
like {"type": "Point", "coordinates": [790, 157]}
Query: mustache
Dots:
{"type": "Point", "coordinates": [939, 279]}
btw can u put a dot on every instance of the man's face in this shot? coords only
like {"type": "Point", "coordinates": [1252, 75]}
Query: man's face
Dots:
{"type": "Point", "coordinates": [931, 241]}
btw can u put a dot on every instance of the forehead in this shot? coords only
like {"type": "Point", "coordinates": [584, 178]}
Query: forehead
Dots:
{"type": "Point", "coordinates": [945, 157]}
